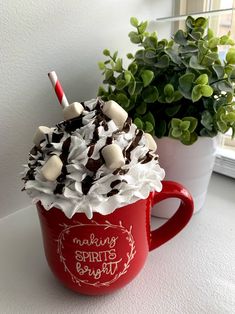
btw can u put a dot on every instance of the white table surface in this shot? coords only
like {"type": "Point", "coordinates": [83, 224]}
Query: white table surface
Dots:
{"type": "Point", "coordinates": [192, 273]}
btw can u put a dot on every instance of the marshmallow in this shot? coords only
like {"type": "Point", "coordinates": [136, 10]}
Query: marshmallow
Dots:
{"type": "Point", "coordinates": [40, 134]}
{"type": "Point", "coordinates": [73, 110]}
{"type": "Point", "coordinates": [113, 156]}
{"type": "Point", "coordinates": [150, 142]}
{"type": "Point", "coordinates": [115, 112]}
{"type": "Point", "coordinates": [52, 168]}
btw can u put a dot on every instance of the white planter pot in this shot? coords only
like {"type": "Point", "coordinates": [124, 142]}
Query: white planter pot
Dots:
{"type": "Point", "coordinates": [189, 165]}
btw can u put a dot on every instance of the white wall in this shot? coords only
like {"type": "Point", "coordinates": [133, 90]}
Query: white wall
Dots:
{"type": "Point", "coordinates": [40, 36]}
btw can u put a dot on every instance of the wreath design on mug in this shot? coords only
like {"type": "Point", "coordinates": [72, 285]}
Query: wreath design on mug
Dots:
{"type": "Point", "coordinates": [130, 255]}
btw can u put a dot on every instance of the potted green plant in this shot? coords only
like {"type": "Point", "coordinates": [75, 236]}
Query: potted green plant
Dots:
{"type": "Point", "coordinates": [177, 88]}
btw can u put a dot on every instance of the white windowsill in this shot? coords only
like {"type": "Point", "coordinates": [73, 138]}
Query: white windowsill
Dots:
{"type": "Point", "coordinates": [225, 161]}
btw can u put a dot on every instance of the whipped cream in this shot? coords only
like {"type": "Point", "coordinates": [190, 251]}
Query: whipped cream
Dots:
{"type": "Point", "coordinates": [86, 184]}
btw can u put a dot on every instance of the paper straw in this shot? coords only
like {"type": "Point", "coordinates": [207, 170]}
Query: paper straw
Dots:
{"type": "Point", "coordinates": [58, 89]}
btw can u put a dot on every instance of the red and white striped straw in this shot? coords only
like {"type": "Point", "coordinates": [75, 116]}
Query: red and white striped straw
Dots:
{"type": "Point", "coordinates": [58, 89]}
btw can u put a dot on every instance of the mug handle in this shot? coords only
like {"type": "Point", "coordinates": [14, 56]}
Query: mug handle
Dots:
{"type": "Point", "coordinates": [179, 220]}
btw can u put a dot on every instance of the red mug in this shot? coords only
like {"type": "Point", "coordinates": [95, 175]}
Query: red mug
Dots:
{"type": "Point", "coordinates": [105, 253]}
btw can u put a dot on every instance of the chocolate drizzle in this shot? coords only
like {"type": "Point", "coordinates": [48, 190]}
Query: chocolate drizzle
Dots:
{"type": "Point", "coordinates": [48, 145]}
{"type": "Point", "coordinates": [65, 150]}
{"type": "Point", "coordinates": [94, 164]}
{"type": "Point", "coordinates": [91, 150]}
{"type": "Point", "coordinates": [133, 145]}
{"type": "Point", "coordinates": [64, 158]}
{"type": "Point", "coordinates": [86, 184]}
{"type": "Point", "coordinates": [29, 175]}
{"type": "Point", "coordinates": [120, 171]}
{"type": "Point", "coordinates": [127, 125]}
{"type": "Point", "coordinates": [148, 157]}
{"type": "Point", "coordinates": [56, 137]}
{"type": "Point", "coordinates": [109, 140]}
{"type": "Point", "coordinates": [59, 188]}
{"type": "Point", "coordinates": [112, 192]}
{"type": "Point", "coordinates": [34, 150]}
{"type": "Point", "coordinates": [114, 183]}
{"type": "Point", "coordinates": [71, 125]}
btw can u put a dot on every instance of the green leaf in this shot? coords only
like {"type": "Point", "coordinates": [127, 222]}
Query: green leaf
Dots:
{"type": "Point", "coordinates": [176, 133]}
{"type": "Point", "coordinates": [169, 99]}
{"type": "Point", "coordinates": [128, 76]}
{"type": "Point", "coordinates": [147, 77]}
{"type": "Point", "coordinates": [186, 80]}
{"type": "Point", "coordinates": [121, 84]}
{"type": "Point", "coordinates": [206, 90]}
{"type": "Point", "coordinates": [185, 137]}
{"type": "Point", "coordinates": [133, 67]}
{"type": "Point", "coordinates": [222, 126]}
{"type": "Point", "coordinates": [135, 37]}
{"type": "Point", "coordinates": [192, 139]}
{"type": "Point", "coordinates": [141, 109]}
{"type": "Point", "coordinates": [132, 87]}
{"type": "Point", "coordinates": [174, 56]}
{"type": "Point", "coordinates": [232, 75]}
{"type": "Point", "coordinates": [194, 63]}
{"type": "Point", "coordinates": [150, 57]}
{"type": "Point", "coordinates": [150, 94]}
{"type": "Point", "coordinates": [172, 111]}
{"type": "Point", "coordinates": [148, 127]}
{"type": "Point", "coordinates": [195, 35]}
{"type": "Point", "coordinates": [189, 23]}
{"type": "Point", "coordinates": [101, 65]}
{"type": "Point", "coordinates": [168, 90]}
{"type": "Point", "coordinates": [139, 87]}
{"type": "Point", "coordinates": [138, 123]}
{"type": "Point", "coordinates": [189, 49]}
{"type": "Point", "coordinates": [226, 40]}
{"type": "Point", "coordinates": [139, 55]}
{"type": "Point", "coordinates": [229, 98]}
{"type": "Point", "coordinates": [118, 66]}
{"type": "Point", "coordinates": [193, 123]}
{"type": "Point", "coordinates": [175, 123]}
{"type": "Point", "coordinates": [184, 125]}
{"type": "Point", "coordinates": [225, 86]}
{"type": "Point", "coordinates": [177, 96]}
{"type": "Point", "coordinates": [150, 42]}
{"type": "Point", "coordinates": [186, 84]}
{"type": "Point", "coordinates": [219, 70]}
{"type": "Point", "coordinates": [102, 91]}
{"type": "Point", "coordinates": [202, 79]}
{"type": "Point", "coordinates": [207, 120]}
{"type": "Point", "coordinates": [230, 117]}
{"type": "Point", "coordinates": [180, 37]}
{"type": "Point", "coordinates": [108, 74]}
{"type": "Point", "coordinates": [196, 93]}
{"type": "Point", "coordinates": [123, 100]}
{"type": "Point", "coordinates": [230, 56]}
{"type": "Point", "coordinates": [213, 42]}
{"type": "Point", "coordinates": [201, 22]}
{"type": "Point", "coordinates": [210, 58]}
{"type": "Point", "coordinates": [210, 34]}
{"type": "Point", "coordinates": [163, 62]}
{"type": "Point", "coordinates": [115, 55]}
{"type": "Point", "coordinates": [142, 27]}
{"type": "Point", "coordinates": [149, 117]}
{"type": "Point", "coordinates": [134, 22]}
